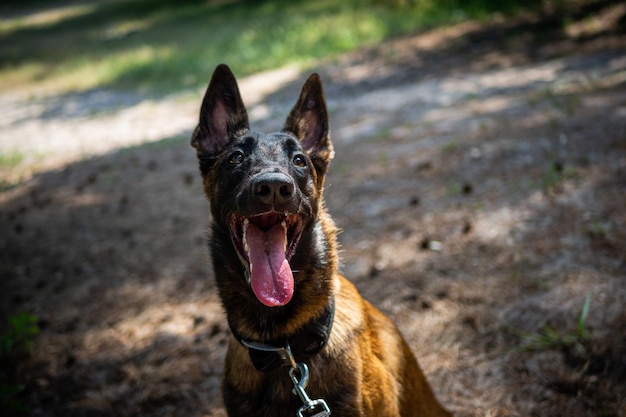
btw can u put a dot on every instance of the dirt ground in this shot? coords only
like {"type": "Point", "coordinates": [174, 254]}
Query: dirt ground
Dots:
{"type": "Point", "coordinates": [479, 180]}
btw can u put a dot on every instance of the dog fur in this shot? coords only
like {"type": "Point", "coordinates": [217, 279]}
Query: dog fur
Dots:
{"type": "Point", "coordinates": [276, 181]}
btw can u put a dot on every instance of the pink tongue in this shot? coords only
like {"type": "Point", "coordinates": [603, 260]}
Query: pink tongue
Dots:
{"type": "Point", "coordinates": [270, 273]}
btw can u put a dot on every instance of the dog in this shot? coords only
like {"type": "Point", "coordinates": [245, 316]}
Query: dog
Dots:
{"type": "Point", "coordinates": [304, 342]}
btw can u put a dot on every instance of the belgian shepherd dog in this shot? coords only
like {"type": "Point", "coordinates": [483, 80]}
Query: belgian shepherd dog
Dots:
{"type": "Point", "coordinates": [304, 342]}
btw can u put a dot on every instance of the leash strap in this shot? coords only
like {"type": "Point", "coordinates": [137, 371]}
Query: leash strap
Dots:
{"type": "Point", "coordinates": [308, 341]}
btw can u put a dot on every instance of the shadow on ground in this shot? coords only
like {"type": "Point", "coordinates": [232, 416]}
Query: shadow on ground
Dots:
{"type": "Point", "coordinates": [481, 201]}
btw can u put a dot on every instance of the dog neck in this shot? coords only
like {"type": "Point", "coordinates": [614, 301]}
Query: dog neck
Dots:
{"type": "Point", "coordinates": [309, 340]}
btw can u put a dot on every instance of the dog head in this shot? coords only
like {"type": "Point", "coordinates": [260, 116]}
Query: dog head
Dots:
{"type": "Point", "coordinates": [265, 190]}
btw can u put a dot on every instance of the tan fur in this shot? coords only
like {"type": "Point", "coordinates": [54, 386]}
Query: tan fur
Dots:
{"type": "Point", "coordinates": [366, 369]}
{"type": "Point", "coordinates": [365, 350]}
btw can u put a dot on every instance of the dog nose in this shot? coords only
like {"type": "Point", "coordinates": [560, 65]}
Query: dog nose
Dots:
{"type": "Point", "coordinates": [273, 188]}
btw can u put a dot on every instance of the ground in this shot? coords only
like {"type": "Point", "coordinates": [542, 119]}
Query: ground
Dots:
{"type": "Point", "coordinates": [479, 182]}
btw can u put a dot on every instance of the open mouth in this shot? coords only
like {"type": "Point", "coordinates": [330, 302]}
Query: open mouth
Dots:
{"type": "Point", "coordinates": [265, 243]}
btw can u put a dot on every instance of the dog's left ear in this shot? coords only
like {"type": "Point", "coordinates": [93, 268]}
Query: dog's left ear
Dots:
{"type": "Point", "coordinates": [222, 115]}
{"type": "Point", "coordinates": [308, 121]}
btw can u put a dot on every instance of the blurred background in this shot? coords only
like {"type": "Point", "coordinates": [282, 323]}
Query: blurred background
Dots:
{"type": "Point", "coordinates": [165, 45]}
{"type": "Point", "coordinates": [480, 183]}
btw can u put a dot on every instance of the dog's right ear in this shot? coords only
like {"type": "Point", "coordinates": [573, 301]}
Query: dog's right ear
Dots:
{"type": "Point", "coordinates": [222, 115]}
{"type": "Point", "coordinates": [308, 121]}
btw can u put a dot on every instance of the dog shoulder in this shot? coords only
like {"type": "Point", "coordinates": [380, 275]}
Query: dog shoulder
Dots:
{"type": "Point", "coordinates": [350, 319]}
{"type": "Point", "coordinates": [354, 315]}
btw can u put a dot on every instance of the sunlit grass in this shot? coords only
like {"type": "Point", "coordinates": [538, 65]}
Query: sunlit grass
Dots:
{"type": "Point", "coordinates": [9, 163]}
{"type": "Point", "coordinates": [146, 60]}
{"type": "Point", "coordinates": [167, 44]}
{"type": "Point", "coordinates": [11, 159]}
{"type": "Point", "coordinates": [44, 18]}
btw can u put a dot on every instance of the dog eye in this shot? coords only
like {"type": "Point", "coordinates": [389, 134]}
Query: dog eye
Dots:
{"type": "Point", "coordinates": [236, 158]}
{"type": "Point", "coordinates": [299, 161]}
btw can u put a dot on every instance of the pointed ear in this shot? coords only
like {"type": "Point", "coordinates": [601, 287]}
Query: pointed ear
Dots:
{"type": "Point", "coordinates": [222, 115]}
{"type": "Point", "coordinates": [308, 121]}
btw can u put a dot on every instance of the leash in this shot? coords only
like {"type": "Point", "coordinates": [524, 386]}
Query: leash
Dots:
{"type": "Point", "coordinates": [313, 408]}
{"type": "Point", "coordinates": [309, 341]}
{"type": "Point", "coordinates": [310, 408]}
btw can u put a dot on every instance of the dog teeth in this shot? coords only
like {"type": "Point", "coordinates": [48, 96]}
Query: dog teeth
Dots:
{"type": "Point", "coordinates": [284, 224]}
{"type": "Point", "coordinates": [244, 229]}
{"type": "Point", "coordinates": [246, 248]}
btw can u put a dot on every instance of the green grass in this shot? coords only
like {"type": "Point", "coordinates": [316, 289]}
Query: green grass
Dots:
{"type": "Point", "coordinates": [22, 330]}
{"type": "Point", "coordinates": [450, 147]}
{"type": "Point", "coordinates": [168, 44]}
{"type": "Point", "coordinates": [11, 159]}
{"type": "Point", "coordinates": [10, 162]}
{"type": "Point", "coordinates": [453, 187]}
{"type": "Point", "coordinates": [16, 345]}
{"type": "Point", "coordinates": [599, 229]}
{"type": "Point", "coordinates": [550, 338]}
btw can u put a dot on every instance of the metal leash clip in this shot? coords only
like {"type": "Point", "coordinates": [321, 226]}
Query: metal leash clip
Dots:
{"type": "Point", "coordinates": [311, 408]}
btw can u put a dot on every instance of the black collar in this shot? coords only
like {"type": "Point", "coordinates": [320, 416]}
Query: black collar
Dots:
{"type": "Point", "coordinates": [306, 342]}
